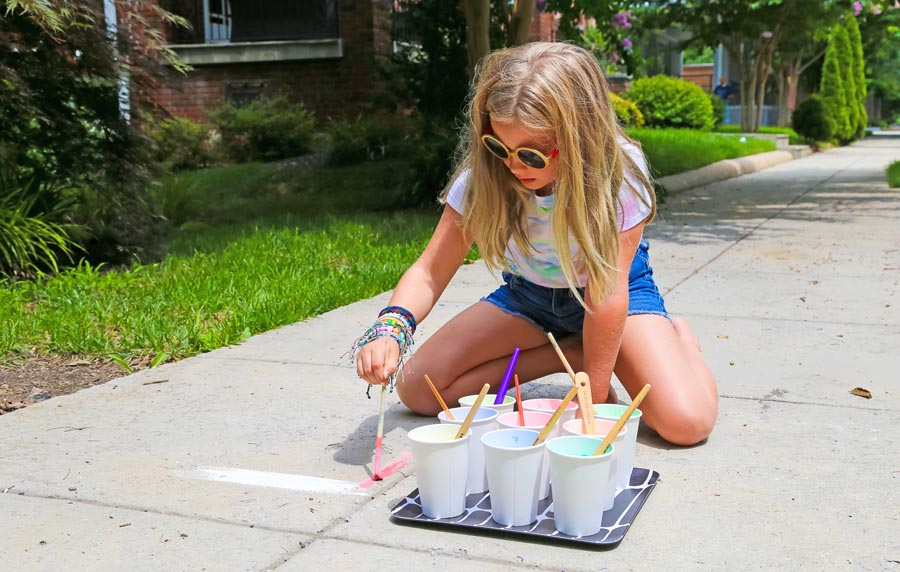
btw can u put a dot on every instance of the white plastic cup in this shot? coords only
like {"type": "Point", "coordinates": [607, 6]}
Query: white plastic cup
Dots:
{"type": "Point", "coordinates": [536, 422]}
{"type": "Point", "coordinates": [575, 470]}
{"type": "Point", "coordinates": [485, 420]}
{"type": "Point", "coordinates": [612, 412]}
{"type": "Point", "coordinates": [509, 402]}
{"type": "Point", "coordinates": [550, 406]}
{"type": "Point", "coordinates": [602, 427]}
{"type": "Point", "coordinates": [442, 465]}
{"type": "Point", "coordinates": [514, 468]}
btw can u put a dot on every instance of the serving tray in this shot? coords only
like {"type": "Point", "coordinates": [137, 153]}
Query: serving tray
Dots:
{"type": "Point", "coordinates": [616, 521]}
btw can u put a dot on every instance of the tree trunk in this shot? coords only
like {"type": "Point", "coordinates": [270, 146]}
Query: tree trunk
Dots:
{"type": "Point", "coordinates": [520, 22]}
{"type": "Point", "coordinates": [478, 42]}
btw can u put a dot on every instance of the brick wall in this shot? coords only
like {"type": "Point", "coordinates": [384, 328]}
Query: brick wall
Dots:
{"type": "Point", "coordinates": [326, 86]}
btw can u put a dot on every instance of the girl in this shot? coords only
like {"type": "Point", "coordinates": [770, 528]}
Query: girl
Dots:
{"type": "Point", "coordinates": [556, 197]}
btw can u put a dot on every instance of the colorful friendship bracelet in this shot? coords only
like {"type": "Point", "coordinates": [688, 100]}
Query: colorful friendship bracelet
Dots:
{"type": "Point", "coordinates": [403, 313]}
{"type": "Point", "coordinates": [393, 322]}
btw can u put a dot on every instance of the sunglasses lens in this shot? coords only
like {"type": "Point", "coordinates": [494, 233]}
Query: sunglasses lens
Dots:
{"type": "Point", "coordinates": [495, 147]}
{"type": "Point", "coordinates": [531, 159]}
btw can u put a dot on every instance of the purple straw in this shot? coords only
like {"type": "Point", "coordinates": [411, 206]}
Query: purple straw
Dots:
{"type": "Point", "coordinates": [504, 385]}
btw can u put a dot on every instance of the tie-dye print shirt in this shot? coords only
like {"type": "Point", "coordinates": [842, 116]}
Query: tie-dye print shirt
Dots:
{"type": "Point", "coordinates": [542, 266]}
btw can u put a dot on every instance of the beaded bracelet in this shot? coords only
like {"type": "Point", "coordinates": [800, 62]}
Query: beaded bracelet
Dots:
{"type": "Point", "coordinates": [393, 322]}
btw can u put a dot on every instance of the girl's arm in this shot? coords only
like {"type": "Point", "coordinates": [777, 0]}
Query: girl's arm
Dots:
{"type": "Point", "coordinates": [418, 291]}
{"type": "Point", "coordinates": [603, 327]}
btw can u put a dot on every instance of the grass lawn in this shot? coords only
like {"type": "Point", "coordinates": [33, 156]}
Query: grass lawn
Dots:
{"type": "Point", "coordinates": [893, 174]}
{"type": "Point", "coordinates": [254, 247]}
{"type": "Point", "coordinates": [263, 246]}
{"type": "Point", "coordinates": [673, 151]}
{"type": "Point", "coordinates": [794, 138]}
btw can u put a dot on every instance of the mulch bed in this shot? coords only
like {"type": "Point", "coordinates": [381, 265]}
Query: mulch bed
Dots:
{"type": "Point", "coordinates": [40, 378]}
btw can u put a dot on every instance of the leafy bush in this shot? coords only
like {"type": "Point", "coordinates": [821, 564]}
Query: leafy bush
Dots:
{"type": "Point", "coordinates": [811, 120]}
{"type": "Point", "coordinates": [179, 144]}
{"type": "Point", "coordinates": [176, 198]}
{"type": "Point", "coordinates": [346, 142]}
{"type": "Point", "coordinates": [833, 90]}
{"type": "Point", "coordinates": [672, 102]}
{"type": "Point", "coordinates": [627, 112]}
{"type": "Point", "coordinates": [719, 109]}
{"type": "Point", "coordinates": [893, 174]}
{"type": "Point", "coordinates": [31, 239]}
{"type": "Point", "coordinates": [265, 130]}
{"type": "Point", "coordinates": [430, 160]}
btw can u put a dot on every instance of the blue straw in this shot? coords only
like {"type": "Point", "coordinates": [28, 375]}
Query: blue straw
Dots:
{"type": "Point", "coordinates": [504, 385]}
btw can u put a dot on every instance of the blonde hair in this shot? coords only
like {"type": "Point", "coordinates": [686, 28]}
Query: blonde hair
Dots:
{"type": "Point", "coordinates": [560, 89]}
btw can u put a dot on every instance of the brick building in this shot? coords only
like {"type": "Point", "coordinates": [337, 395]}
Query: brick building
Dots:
{"type": "Point", "coordinates": [320, 52]}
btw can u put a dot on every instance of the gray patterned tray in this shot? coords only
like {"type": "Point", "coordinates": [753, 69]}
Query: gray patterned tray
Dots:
{"type": "Point", "coordinates": [616, 521]}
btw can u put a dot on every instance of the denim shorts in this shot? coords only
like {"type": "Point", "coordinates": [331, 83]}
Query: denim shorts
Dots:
{"type": "Point", "coordinates": [556, 310]}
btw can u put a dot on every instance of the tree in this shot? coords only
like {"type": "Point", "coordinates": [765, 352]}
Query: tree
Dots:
{"type": "Point", "coordinates": [858, 65]}
{"type": "Point", "coordinates": [833, 91]}
{"type": "Point", "coordinates": [513, 22]}
{"type": "Point", "coordinates": [751, 32]}
{"type": "Point", "coordinates": [848, 80]}
{"type": "Point", "coordinates": [880, 30]}
{"type": "Point", "coordinates": [60, 121]}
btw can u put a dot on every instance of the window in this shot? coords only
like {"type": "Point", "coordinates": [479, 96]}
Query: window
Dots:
{"type": "Point", "coordinates": [232, 21]}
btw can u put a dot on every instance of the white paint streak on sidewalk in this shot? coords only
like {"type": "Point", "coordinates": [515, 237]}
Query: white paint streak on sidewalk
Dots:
{"type": "Point", "coordinates": [277, 480]}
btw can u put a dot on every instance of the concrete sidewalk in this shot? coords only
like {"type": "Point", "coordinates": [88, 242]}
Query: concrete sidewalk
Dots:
{"type": "Point", "coordinates": [247, 458]}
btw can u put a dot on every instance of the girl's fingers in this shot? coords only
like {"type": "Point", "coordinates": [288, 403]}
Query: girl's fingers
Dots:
{"type": "Point", "coordinates": [392, 358]}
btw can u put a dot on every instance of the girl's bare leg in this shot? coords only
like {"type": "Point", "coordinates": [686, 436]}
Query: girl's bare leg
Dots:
{"type": "Point", "coordinates": [474, 348]}
{"type": "Point", "coordinates": [683, 403]}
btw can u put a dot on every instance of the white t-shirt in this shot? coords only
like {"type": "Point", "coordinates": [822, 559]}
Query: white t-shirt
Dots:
{"type": "Point", "coordinates": [542, 266]}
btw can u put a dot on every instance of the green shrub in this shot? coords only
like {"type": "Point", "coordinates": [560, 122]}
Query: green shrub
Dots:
{"type": "Point", "coordinates": [672, 102]}
{"type": "Point", "coordinates": [893, 174]}
{"type": "Point", "coordinates": [31, 239]}
{"type": "Point", "coordinates": [627, 112]}
{"type": "Point", "coordinates": [811, 120]}
{"type": "Point", "coordinates": [348, 141]}
{"type": "Point", "coordinates": [179, 144]}
{"type": "Point", "coordinates": [719, 109]}
{"type": "Point", "coordinates": [833, 91]}
{"type": "Point", "coordinates": [264, 130]}
{"type": "Point", "coordinates": [430, 159]}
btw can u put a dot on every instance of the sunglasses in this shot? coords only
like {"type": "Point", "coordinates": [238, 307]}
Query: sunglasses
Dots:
{"type": "Point", "coordinates": [529, 157]}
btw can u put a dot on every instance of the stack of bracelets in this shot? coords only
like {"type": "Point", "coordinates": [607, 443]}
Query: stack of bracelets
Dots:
{"type": "Point", "coordinates": [393, 322]}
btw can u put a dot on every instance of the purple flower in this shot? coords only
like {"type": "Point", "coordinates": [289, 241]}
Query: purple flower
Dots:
{"type": "Point", "coordinates": [614, 57]}
{"type": "Point", "coordinates": [857, 8]}
{"type": "Point", "coordinates": [767, 34]}
{"type": "Point", "coordinates": [876, 10]}
{"type": "Point", "coordinates": [620, 20]}
{"type": "Point", "coordinates": [626, 43]}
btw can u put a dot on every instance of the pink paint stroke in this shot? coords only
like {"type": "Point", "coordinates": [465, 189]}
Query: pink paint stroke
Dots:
{"type": "Point", "coordinates": [388, 470]}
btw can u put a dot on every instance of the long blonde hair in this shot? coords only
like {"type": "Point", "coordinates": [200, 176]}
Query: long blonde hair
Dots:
{"type": "Point", "coordinates": [560, 89]}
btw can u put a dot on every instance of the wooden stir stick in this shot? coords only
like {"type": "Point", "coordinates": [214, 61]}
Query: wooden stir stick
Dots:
{"type": "Point", "coordinates": [464, 428]}
{"type": "Point", "coordinates": [439, 398]}
{"type": "Point", "coordinates": [556, 415]}
{"type": "Point", "coordinates": [585, 402]}
{"type": "Point", "coordinates": [614, 432]}
{"type": "Point", "coordinates": [562, 356]}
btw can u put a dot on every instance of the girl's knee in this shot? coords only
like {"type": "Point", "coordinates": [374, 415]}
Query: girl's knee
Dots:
{"type": "Point", "coordinates": [686, 428]}
{"type": "Point", "coordinates": [410, 391]}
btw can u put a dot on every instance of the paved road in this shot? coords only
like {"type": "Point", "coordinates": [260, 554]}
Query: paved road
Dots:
{"type": "Point", "coordinates": [248, 458]}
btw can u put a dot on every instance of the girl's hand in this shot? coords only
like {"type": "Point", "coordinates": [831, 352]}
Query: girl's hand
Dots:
{"type": "Point", "coordinates": [377, 361]}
